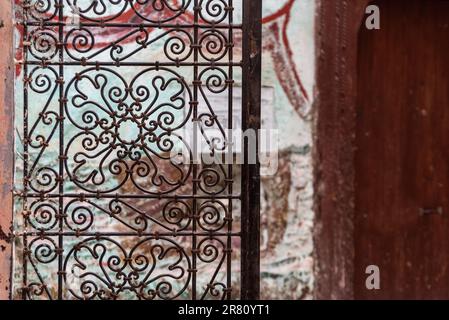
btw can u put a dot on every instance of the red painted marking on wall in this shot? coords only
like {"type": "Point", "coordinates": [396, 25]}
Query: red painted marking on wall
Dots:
{"type": "Point", "coordinates": [278, 14]}
{"type": "Point", "coordinates": [290, 81]}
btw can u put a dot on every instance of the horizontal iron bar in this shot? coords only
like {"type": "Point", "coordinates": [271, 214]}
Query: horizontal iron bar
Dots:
{"type": "Point", "coordinates": [136, 64]}
{"type": "Point", "coordinates": [134, 25]}
{"type": "Point", "coordinates": [128, 234]}
{"type": "Point", "coordinates": [131, 196]}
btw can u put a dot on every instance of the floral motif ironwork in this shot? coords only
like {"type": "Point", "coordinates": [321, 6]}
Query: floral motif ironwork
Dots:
{"type": "Point", "coordinates": [106, 212]}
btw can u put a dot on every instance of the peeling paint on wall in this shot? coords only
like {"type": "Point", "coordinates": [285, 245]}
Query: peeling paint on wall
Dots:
{"type": "Point", "coordinates": [287, 197]}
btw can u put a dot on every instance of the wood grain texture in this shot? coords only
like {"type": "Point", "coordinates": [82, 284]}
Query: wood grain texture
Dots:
{"type": "Point", "coordinates": [403, 152]}
{"type": "Point", "coordinates": [6, 145]}
{"type": "Point", "coordinates": [337, 29]}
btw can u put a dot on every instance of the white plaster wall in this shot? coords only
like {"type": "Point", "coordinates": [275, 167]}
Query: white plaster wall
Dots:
{"type": "Point", "coordinates": [287, 268]}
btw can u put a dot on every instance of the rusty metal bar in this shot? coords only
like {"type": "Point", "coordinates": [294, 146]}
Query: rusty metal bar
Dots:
{"type": "Point", "coordinates": [230, 167]}
{"type": "Point", "coordinates": [61, 150]}
{"type": "Point", "coordinates": [252, 63]}
{"type": "Point", "coordinates": [141, 25]}
{"type": "Point", "coordinates": [143, 64]}
{"type": "Point", "coordinates": [196, 55]}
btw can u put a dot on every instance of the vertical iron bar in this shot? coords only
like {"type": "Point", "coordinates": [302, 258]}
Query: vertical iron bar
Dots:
{"type": "Point", "coordinates": [195, 146]}
{"type": "Point", "coordinates": [251, 97]}
{"type": "Point", "coordinates": [25, 154]}
{"type": "Point", "coordinates": [61, 147]}
{"type": "Point", "coordinates": [229, 140]}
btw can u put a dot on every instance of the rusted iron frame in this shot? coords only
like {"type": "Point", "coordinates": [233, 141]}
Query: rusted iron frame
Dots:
{"type": "Point", "coordinates": [230, 166]}
{"type": "Point", "coordinates": [251, 92]}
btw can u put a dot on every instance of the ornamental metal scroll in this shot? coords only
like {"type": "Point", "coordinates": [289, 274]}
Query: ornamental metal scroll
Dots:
{"type": "Point", "coordinates": [102, 209]}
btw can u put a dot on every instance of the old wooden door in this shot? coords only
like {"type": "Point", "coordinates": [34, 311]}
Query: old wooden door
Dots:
{"type": "Point", "coordinates": [402, 157]}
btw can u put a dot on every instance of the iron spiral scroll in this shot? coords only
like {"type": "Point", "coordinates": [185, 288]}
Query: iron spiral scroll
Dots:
{"type": "Point", "coordinates": [109, 88]}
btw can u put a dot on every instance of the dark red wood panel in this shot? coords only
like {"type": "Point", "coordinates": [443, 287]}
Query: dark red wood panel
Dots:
{"type": "Point", "coordinates": [402, 156]}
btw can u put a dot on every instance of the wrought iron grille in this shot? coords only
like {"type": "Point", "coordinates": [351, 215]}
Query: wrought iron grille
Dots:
{"type": "Point", "coordinates": [110, 87]}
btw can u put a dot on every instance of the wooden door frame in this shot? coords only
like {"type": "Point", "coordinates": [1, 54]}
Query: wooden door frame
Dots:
{"type": "Point", "coordinates": [338, 24]}
{"type": "Point", "coordinates": [6, 143]}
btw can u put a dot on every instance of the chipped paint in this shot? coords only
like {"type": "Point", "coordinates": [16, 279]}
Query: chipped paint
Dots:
{"type": "Point", "coordinates": [6, 158]}
{"type": "Point", "coordinates": [287, 198]}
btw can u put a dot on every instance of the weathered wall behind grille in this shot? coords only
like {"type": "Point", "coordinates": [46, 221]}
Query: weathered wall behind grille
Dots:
{"type": "Point", "coordinates": [287, 198]}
